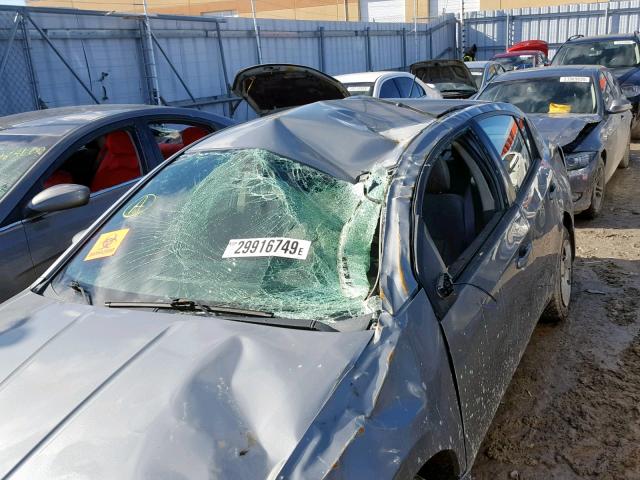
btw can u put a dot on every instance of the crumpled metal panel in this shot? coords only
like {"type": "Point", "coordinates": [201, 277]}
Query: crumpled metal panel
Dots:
{"type": "Point", "coordinates": [341, 138]}
{"type": "Point", "coordinates": [116, 394]}
{"type": "Point", "coordinates": [562, 130]}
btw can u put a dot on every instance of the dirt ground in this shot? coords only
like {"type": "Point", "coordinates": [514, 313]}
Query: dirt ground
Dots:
{"type": "Point", "coordinates": [573, 407]}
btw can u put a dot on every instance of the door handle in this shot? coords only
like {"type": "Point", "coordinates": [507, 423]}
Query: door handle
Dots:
{"type": "Point", "coordinates": [524, 252]}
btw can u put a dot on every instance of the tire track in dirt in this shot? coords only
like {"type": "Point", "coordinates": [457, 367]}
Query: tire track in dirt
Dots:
{"type": "Point", "coordinates": [572, 410]}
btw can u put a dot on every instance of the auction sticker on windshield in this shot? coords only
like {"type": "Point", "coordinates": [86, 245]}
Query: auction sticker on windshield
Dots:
{"type": "Point", "coordinates": [267, 247]}
{"type": "Point", "coordinates": [623, 42]}
{"type": "Point", "coordinates": [107, 244]}
{"type": "Point", "coordinates": [575, 79]}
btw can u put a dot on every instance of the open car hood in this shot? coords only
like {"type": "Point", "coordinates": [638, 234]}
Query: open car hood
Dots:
{"type": "Point", "coordinates": [89, 392]}
{"type": "Point", "coordinates": [440, 71]}
{"type": "Point", "coordinates": [271, 87]}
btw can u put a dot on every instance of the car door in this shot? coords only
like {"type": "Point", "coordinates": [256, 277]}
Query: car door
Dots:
{"type": "Point", "coordinates": [612, 128]}
{"type": "Point", "coordinates": [623, 119]}
{"type": "Point", "coordinates": [532, 182]}
{"type": "Point", "coordinates": [118, 160]}
{"type": "Point", "coordinates": [481, 292]}
{"type": "Point", "coordinates": [16, 268]}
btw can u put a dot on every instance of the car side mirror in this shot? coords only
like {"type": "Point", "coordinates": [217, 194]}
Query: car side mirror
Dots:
{"type": "Point", "coordinates": [619, 106]}
{"type": "Point", "coordinates": [59, 197]}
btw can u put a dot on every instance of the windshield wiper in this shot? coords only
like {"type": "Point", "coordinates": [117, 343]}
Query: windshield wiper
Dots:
{"type": "Point", "coordinates": [185, 305]}
{"type": "Point", "coordinates": [237, 314]}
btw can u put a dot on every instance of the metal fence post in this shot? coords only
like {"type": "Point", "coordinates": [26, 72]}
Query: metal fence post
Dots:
{"type": "Point", "coordinates": [223, 61]}
{"type": "Point", "coordinates": [507, 28]}
{"type": "Point", "coordinates": [33, 78]}
{"type": "Point", "coordinates": [367, 47]}
{"type": "Point", "coordinates": [150, 69]}
{"type": "Point", "coordinates": [321, 48]}
{"type": "Point", "coordinates": [404, 48]}
{"type": "Point", "coordinates": [429, 38]}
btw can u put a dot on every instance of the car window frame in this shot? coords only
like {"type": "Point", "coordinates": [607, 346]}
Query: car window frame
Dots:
{"type": "Point", "coordinates": [514, 195]}
{"type": "Point", "coordinates": [426, 259]}
{"type": "Point", "coordinates": [145, 130]}
{"type": "Point", "coordinates": [130, 125]}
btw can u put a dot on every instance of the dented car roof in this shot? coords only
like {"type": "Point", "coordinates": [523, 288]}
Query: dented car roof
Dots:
{"type": "Point", "coordinates": [343, 138]}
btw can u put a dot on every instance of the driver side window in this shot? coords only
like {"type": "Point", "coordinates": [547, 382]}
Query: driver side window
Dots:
{"type": "Point", "coordinates": [460, 201]}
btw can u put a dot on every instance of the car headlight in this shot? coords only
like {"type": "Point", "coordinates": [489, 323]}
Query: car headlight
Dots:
{"type": "Point", "coordinates": [630, 90]}
{"type": "Point", "coordinates": [574, 161]}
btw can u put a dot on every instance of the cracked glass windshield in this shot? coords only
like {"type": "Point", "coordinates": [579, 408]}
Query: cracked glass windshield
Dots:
{"type": "Point", "coordinates": [18, 153]}
{"type": "Point", "coordinates": [242, 228]}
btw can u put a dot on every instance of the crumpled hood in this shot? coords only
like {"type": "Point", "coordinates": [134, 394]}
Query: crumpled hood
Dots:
{"type": "Point", "coordinates": [94, 393]}
{"type": "Point", "coordinates": [562, 129]}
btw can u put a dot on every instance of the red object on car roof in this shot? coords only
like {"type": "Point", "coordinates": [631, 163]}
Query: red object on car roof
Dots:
{"type": "Point", "coordinates": [536, 45]}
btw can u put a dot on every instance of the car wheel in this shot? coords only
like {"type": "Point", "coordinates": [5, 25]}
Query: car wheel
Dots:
{"type": "Point", "coordinates": [597, 192]}
{"type": "Point", "coordinates": [558, 308]}
{"type": "Point", "coordinates": [624, 163]}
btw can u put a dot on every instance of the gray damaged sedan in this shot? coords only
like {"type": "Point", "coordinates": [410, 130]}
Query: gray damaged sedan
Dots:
{"type": "Point", "coordinates": [582, 109]}
{"type": "Point", "coordinates": [341, 290]}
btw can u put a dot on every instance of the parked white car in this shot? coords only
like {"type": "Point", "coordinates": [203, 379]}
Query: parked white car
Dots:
{"type": "Point", "coordinates": [387, 85]}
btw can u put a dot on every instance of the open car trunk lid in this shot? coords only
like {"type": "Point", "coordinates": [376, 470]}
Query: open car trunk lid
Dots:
{"type": "Point", "coordinates": [445, 71]}
{"type": "Point", "coordinates": [537, 45]}
{"type": "Point", "coordinates": [271, 87]}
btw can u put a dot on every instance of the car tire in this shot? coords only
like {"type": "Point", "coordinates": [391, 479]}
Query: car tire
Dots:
{"type": "Point", "coordinates": [597, 192]}
{"type": "Point", "coordinates": [558, 308]}
{"type": "Point", "coordinates": [624, 163]}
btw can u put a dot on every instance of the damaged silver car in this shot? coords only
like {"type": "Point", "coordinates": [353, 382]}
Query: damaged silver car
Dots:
{"type": "Point", "coordinates": [583, 110]}
{"type": "Point", "coordinates": [340, 290]}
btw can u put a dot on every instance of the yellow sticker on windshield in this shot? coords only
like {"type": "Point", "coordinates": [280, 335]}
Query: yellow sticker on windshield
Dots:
{"type": "Point", "coordinates": [107, 244]}
{"type": "Point", "coordinates": [559, 108]}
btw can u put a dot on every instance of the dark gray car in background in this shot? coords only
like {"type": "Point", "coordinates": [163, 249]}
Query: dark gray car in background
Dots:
{"type": "Point", "coordinates": [271, 304]}
{"type": "Point", "coordinates": [61, 168]}
{"type": "Point", "coordinates": [619, 52]}
{"type": "Point", "coordinates": [583, 110]}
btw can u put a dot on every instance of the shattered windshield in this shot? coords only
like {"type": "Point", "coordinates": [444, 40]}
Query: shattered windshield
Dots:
{"type": "Point", "coordinates": [609, 53]}
{"type": "Point", "coordinates": [18, 153]}
{"type": "Point", "coordinates": [243, 228]}
{"type": "Point", "coordinates": [570, 94]}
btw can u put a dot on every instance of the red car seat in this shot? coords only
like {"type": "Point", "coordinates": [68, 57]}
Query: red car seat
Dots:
{"type": "Point", "coordinates": [119, 162]}
{"type": "Point", "coordinates": [57, 178]}
{"type": "Point", "coordinates": [168, 149]}
{"type": "Point", "coordinates": [192, 134]}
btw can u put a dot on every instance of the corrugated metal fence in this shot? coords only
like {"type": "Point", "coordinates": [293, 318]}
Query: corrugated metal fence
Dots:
{"type": "Point", "coordinates": [494, 31]}
{"type": "Point", "coordinates": [57, 57]}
